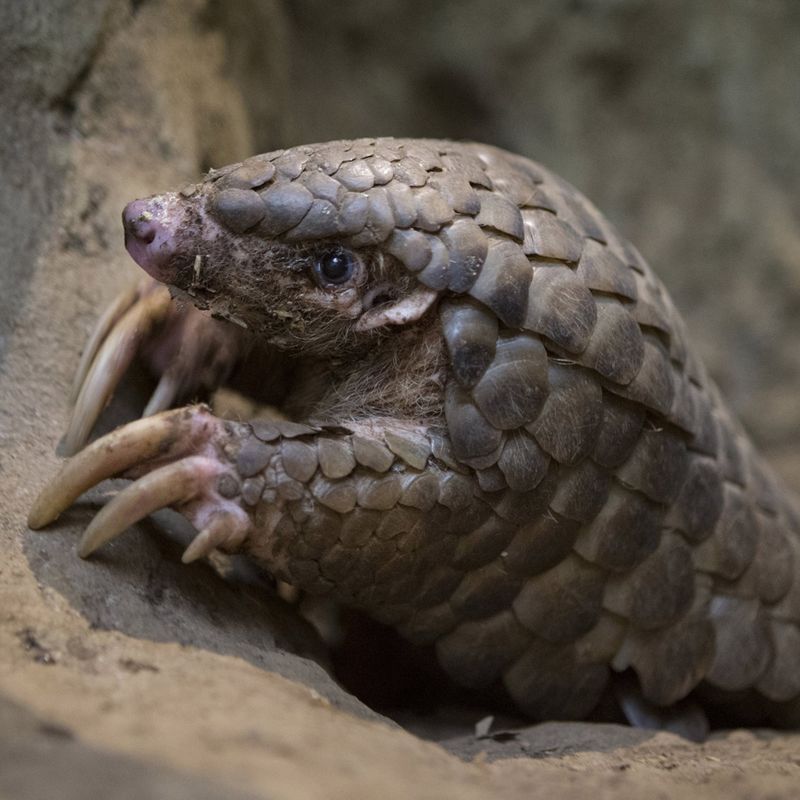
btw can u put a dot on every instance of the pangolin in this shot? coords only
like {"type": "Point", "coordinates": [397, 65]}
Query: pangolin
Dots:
{"type": "Point", "coordinates": [501, 442]}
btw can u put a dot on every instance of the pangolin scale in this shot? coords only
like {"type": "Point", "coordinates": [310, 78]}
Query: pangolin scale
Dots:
{"type": "Point", "coordinates": [503, 444]}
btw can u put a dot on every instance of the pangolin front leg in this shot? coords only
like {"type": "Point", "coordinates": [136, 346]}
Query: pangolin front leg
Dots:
{"type": "Point", "coordinates": [384, 519]}
{"type": "Point", "coordinates": [514, 455]}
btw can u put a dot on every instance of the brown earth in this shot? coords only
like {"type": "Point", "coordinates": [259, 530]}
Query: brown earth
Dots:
{"type": "Point", "coordinates": [132, 675]}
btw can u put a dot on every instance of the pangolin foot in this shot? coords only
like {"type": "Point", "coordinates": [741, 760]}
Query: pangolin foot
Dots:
{"type": "Point", "coordinates": [177, 459]}
{"type": "Point", "coordinates": [189, 352]}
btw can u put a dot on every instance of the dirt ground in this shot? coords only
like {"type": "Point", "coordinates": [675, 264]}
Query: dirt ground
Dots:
{"type": "Point", "coordinates": [131, 675]}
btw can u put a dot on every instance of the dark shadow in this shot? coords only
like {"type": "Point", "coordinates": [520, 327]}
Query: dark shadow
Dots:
{"type": "Point", "coordinates": [548, 740]}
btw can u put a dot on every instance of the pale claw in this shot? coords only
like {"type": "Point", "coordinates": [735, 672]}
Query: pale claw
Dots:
{"type": "Point", "coordinates": [109, 318]}
{"type": "Point", "coordinates": [224, 530]}
{"type": "Point", "coordinates": [177, 459]}
{"type": "Point", "coordinates": [113, 357]}
{"type": "Point", "coordinates": [114, 454]}
{"type": "Point", "coordinates": [164, 395]}
{"type": "Point", "coordinates": [174, 484]}
{"type": "Point", "coordinates": [188, 351]}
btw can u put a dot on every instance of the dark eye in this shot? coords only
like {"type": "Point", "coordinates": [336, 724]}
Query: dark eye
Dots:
{"type": "Point", "coordinates": [334, 267]}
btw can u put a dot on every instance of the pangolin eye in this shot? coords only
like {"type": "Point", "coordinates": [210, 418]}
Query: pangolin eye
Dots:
{"type": "Point", "coordinates": [334, 267]}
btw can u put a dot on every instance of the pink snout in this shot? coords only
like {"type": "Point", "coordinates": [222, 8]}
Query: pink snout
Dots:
{"type": "Point", "coordinates": [150, 227]}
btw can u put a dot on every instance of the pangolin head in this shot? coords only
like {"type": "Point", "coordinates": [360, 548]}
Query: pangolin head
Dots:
{"type": "Point", "coordinates": [322, 246]}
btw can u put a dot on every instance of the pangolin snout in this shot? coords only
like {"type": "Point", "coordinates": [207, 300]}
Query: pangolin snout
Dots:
{"type": "Point", "coordinates": [150, 226]}
{"type": "Point", "coordinates": [137, 219]}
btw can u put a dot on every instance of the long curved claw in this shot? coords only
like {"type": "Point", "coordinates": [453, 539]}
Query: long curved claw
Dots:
{"type": "Point", "coordinates": [117, 452]}
{"type": "Point", "coordinates": [108, 319]}
{"type": "Point", "coordinates": [203, 543]}
{"type": "Point", "coordinates": [113, 359]}
{"type": "Point", "coordinates": [225, 530]}
{"type": "Point", "coordinates": [164, 394]}
{"type": "Point", "coordinates": [171, 485]}
{"type": "Point", "coordinates": [177, 459]}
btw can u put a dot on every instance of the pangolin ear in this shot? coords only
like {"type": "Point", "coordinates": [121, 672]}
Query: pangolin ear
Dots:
{"type": "Point", "coordinates": [406, 310]}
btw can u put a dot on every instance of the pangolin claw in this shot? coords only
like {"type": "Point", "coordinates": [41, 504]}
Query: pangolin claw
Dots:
{"type": "Point", "coordinates": [113, 345]}
{"type": "Point", "coordinates": [173, 458]}
{"type": "Point", "coordinates": [109, 456]}
{"type": "Point", "coordinates": [186, 349]}
{"type": "Point", "coordinates": [164, 395]}
{"type": "Point", "coordinates": [171, 485]}
{"type": "Point", "coordinates": [225, 530]}
{"type": "Point", "coordinates": [121, 303]}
